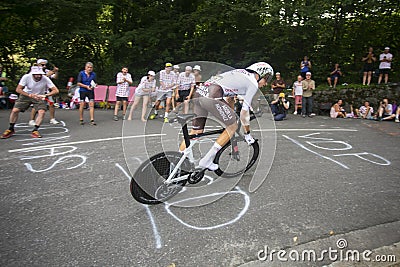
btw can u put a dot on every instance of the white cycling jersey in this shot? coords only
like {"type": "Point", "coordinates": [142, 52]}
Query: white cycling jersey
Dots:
{"type": "Point", "coordinates": [237, 82]}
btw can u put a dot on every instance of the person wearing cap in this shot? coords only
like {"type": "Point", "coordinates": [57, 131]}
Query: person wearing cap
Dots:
{"type": "Point", "coordinates": [124, 80]}
{"type": "Point", "coordinates": [278, 85]}
{"type": "Point", "coordinates": [167, 84]}
{"type": "Point", "coordinates": [146, 86]}
{"type": "Point", "coordinates": [307, 99]}
{"type": "Point", "coordinates": [52, 74]}
{"type": "Point", "coordinates": [209, 98]}
{"type": "Point", "coordinates": [87, 82]}
{"type": "Point", "coordinates": [184, 88]}
{"type": "Point", "coordinates": [279, 107]}
{"type": "Point", "coordinates": [32, 89]}
{"type": "Point", "coordinates": [197, 74]}
{"type": "Point", "coordinates": [385, 65]}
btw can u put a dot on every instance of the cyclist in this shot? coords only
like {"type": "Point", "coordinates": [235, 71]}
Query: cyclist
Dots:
{"type": "Point", "coordinates": [210, 98]}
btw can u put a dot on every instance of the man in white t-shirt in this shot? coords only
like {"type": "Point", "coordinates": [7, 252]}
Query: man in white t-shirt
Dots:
{"type": "Point", "coordinates": [32, 89]}
{"type": "Point", "coordinates": [52, 74]}
{"type": "Point", "coordinates": [124, 79]}
{"type": "Point", "coordinates": [384, 67]}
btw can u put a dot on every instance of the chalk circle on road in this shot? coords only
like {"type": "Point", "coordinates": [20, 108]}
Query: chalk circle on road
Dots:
{"type": "Point", "coordinates": [141, 141]}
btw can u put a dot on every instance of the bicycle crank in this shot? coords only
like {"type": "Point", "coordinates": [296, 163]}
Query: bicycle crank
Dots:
{"type": "Point", "coordinates": [196, 176]}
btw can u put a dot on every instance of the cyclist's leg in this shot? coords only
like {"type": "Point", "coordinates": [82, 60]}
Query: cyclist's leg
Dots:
{"type": "Point", "coordinates": [222, 111]}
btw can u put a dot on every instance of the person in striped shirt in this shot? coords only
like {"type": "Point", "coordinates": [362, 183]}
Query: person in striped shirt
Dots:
{"type": "Point", "coordinates": [167, 84]}
{"type": "Point", "coordinates": [124, 79]}
{"type": "Point", "coordinates": [146, 86]}
{"type": "Point", "coordinates": [184, 89]}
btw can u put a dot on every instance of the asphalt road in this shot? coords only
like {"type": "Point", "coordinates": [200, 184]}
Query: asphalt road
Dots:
{"type": "Point", "coordinates": [65, 199]}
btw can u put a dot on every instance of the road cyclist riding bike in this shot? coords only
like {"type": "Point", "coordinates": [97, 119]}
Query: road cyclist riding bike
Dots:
{"type": "Point", "coordinates": [173, 169]}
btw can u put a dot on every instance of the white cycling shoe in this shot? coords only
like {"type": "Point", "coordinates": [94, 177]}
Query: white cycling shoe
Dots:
{"type": "Point", "coordinates": [207, 164]}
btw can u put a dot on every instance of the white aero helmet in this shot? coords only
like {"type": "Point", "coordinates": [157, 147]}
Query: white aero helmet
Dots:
{"type": "Point", "coordinates": [264, 70]}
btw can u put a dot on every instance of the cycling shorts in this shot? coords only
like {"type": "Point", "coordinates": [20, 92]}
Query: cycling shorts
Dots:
{"type": "Point", "coordinates": [209, 99]}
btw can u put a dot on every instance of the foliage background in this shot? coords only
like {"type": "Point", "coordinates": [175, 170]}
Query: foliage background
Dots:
{"type": "Point", "coordinates": [144, 34]}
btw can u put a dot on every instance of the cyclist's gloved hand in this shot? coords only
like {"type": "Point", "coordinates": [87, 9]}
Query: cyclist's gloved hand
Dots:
{"type": "Point", "coordinates": [249, 139]}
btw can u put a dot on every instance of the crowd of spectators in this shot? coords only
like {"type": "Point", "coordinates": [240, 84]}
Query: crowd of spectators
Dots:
{"type": "Point", "coordinates": [176, 89]}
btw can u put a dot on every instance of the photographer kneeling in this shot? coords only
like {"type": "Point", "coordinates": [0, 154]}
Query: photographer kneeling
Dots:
{"type": "Point", "coordinates": [279, 107]}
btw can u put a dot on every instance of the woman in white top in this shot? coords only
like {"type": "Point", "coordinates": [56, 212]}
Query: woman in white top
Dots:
{"type": "Point", "coordinates": [146, 86]}
{"type": "Point", "coordinates": [297, 93]}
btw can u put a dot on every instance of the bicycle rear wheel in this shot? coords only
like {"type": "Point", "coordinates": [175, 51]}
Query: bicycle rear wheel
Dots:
{"type": "Point", "coordinates": [232, 161]}
{"type": "Point", "coordinates": [147, 184]}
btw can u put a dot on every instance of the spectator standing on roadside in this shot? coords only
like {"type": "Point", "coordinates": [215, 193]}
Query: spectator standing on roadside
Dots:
{"type": "Point", "coordinates": [87, 82]}
{"type": "Point", "coordinates": [124, 80]}
{"type": "Point", "coordinates": [146, 86]}
{"type": "Point", "coordinates": [385, 65]}
{"type": "Point", "coordinates": [297, 93]}
{"type": "Point", "coordinates": [167, 84]}
{"type": "Point", "coordinates": [278, 85]}
{"type": "Point", "coordinates": [176, 71]}
{"type": "Point", "coordinates": [3, 88]}
{"type": "Point", "coordinates": [369, 59]}
{"type": "Point", "coordinates": [52, 74]}
{"type": "Point", "coordinates": [197, 74]}
{"type": "Point", "coordinates": [33, 90]}
{"type": "Point", "coordinates": [305, 66]}
{"type": "Point", "coordinates": [184, 89]}
{"type": "Point", "coordinates": [307, 100]}
{"type": "Point", "coordinates": [334, 75]}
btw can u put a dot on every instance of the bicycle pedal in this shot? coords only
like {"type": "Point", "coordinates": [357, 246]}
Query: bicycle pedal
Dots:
{"type": "Point", "coordinates": [196, 176]}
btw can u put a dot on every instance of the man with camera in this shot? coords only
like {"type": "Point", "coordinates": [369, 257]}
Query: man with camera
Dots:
{"type": "Point", "coordinates": [279, 107]}
{"type": "Point", "coordinates": [385, 111]}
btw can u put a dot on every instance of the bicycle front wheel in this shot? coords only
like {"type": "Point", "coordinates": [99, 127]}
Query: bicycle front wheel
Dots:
{"type": "Point", "coordinates": [235, 160]}
{"type": "Point", "coordinates": [147, 184]}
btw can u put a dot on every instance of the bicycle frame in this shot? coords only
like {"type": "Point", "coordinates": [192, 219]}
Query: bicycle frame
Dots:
{"type": "Point", "coordinates": [192, 139]}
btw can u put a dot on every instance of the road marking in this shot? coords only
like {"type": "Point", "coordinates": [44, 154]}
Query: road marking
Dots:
{"type": "Point", "coordinates": [240, 215]}
{"type": "Point", "coordinates": [316, 153]}
{"type": "Point", "coordinates": [89, 141]}
{"type": "Point", "coordinates": [157, 236]}
{"type": "Point", "coordinates": [300, 130]}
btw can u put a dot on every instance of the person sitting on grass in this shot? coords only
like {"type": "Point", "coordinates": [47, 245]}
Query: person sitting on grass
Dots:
{"type": "Point", "coordinates": [337, 111]}
{"type": "Point", "coordinates": [335, 74]}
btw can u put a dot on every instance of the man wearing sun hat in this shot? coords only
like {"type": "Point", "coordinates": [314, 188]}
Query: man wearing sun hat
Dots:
{"type": "Point", "coordinates": [52, 74]}
{"type": "Point", "coordinates": [384, 67]}
{"type": "Point", "coordinates": [32, 90]}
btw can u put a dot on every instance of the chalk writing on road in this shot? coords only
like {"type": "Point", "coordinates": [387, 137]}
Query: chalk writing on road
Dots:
{"type": "Point", "coordinates": [321, 144]}
{"type": "Point", "coordinates": [42, 159]}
